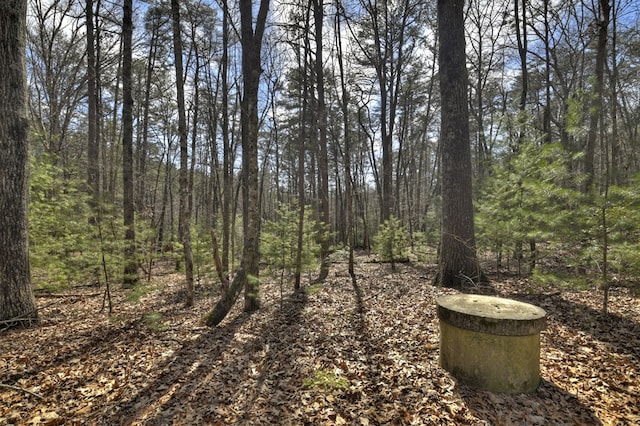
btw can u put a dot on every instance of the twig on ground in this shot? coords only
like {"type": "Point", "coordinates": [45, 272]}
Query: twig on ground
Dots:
{"type": "Point", "coordinates": [19, 389]}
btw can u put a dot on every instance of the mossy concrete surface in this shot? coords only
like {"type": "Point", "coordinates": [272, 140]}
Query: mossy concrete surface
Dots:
{"type": "Point", "coordinates": [491, 343]}
{"type": "Point", "coordinates": [509, 364]}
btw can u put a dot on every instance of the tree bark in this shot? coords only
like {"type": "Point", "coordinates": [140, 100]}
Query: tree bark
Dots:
{"type": "Point", "coordinates": [458, 263]}
{"type": "Point", "coordinates": [142, 149]}
{"type": "Point", "coordinates": [248, 272]}
{"type": "Point", "coordinates": [16, 295]}
{"type": "Point", "coordinates": [93, 167]}
{"type": "Point", "coordinates": [302, 63]}
{"type": "Point", "coordinates": [130, 277]}
{"type": "Point", "coordinates": [617, 171]}
{"type": "Point", "coordinates": [251, 69]}
{"type": "Point", "coordinates": [598, 90]}
{"type": "Point", "coordinates": [344, 105]}
{"type": "Point", "coordinates": [227, 174]}
{"type": "Point", "coordinates": [323, 160]}
{"type": "Point", "coordinates": [184, 213]}
{"type": "Point", "coordinates": [523, 47]}
{"type": "Point", "coordinates": [302, 136]}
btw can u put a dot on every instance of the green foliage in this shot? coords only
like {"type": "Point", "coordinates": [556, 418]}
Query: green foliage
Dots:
{"type": "Point", "coordinates": [146, 242]}
{"type": "Point", "coordinates": [154, 321]}
{"type": "Point", "coordinates": [421, 249]}
{"type": "Point", "coordinates": [622, 210]}
{"type": "Point", "coordinates": [529, 196]}
{"type": "Point", "coordinates": [566, 279]}
{"type": "Point", "coordinates": [108, 243]}
{"type": "Point", "coordinates": [138, 291]}
{"type": "Point", "coordinates": [279, 241]}
{"type": "Point", "coordinates": [576, 114]}
{"type": "Point", "coordinates": [69, 243]}
{"type": "Point", "coordinates": [62, 243]}
{"type": "Point", "coordinates": [313, 289]}
{"type": "Point", "coordinates": [202, 251]}
{"type": "Point", "coordinates": [325, 379]}
{"type": "Point", "coordinates": [391, 243]}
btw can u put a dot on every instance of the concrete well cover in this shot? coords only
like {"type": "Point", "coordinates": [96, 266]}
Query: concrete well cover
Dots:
{"type": "Point", "coordinates": [492, 315]}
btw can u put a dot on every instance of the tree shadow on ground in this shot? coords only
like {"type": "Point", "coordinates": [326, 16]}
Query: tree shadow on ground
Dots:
{"type": "Point", "coordinates": [548, 405]}
{"type": "Point", "coordinates": [218, 377]}
{"type": "Point", "coordinates": [617, 332]}
{"type": "Point", "coordinates": [77, 346]}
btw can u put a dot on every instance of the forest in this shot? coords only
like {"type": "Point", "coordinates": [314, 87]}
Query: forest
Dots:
{"type": "Point", "coordinates": [243, 212]}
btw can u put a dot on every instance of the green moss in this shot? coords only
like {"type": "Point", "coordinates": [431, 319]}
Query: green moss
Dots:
{"type": "Point", "coordinates": [153, 321]}
{"type": "Point", "coordinates": [509, 364]}
{"type": "Point", "coordinates": [313, 289]}
{"type": "Point", "coordinates": [325, 379]}
{"type": "Point", "coordinates": [138, 291]}
{"type": "Point", "coordinates": [117, 319]}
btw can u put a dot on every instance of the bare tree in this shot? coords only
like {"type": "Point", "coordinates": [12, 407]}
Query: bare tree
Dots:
{"type": "Point", "coordinates": [154, 23]}
{"type": "Point", "coordinates": [227, 166]}
{"type": "Point", "coordinates": [57, 77]}
{"type": "Point", "coordinates": [323, 160]}
{"type": "Point", "coordinates": [304, 113]}
{"type": "Point", "coordinates": [131, 265]}
{"type": "Point", "coordinates": [93, 166]}
{"type": "Point", "coordinates": [344, 106]}
{"type": "Point", "coordinates": [602, 23]}
{"type": "Point", "coordinates": [248, 272]}
{"type": "Point", "coordinates": [485, 29]}
{"type": "Point", "coordinates": [184, 211]}
{"type": "Point", "coordinates": [251, 69]}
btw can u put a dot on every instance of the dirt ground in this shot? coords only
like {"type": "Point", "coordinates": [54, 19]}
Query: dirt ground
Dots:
{"type": "Point", "coordinates": [334, 354]}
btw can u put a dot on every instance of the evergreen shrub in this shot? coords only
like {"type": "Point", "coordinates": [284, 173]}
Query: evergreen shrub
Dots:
{"type": "Point", "coordinates": [391, 243]}
{"type": "Point", "coordinates": [279, 241]}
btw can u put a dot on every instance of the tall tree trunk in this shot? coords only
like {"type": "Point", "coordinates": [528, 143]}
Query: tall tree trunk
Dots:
{"type": "Point", "coordinates": [385, 122]}
{"type": "Point", "coordinates": [194, 129]}
{"type": "Point", "coordinates": [521, 37]}
{"type": "Point", "coordinates": [303, 114]}
{"type": "Point", "coordinates": [247, 275]}
{"type": "Point", "coordinates": [458, 263]}
{"type": "Point", "coordinates": [251, 69]}
{"type": "Point", "coordinates": [110, 171]}
{"type": "Point", "coordinates": [16, 296]}
{"type": "Point", "coordinates": [617, 169]}
{"type": "Point", "coordinates": [161, 224]}
{"type": "Point", "coordinates": [131, 264]}
{"type": "Point", "coordinates": [100, 140]}
{"type": "Point", "coordinates": [598, 90]}
{"type": "Point", "coordinates": [184, 214]}
{"type": "Point", "coordinates": [344, 104]}
{"type": "Point", "coordinates": [143, 144]}
{"type": "Point", "coordinates": [93, 149]}
{"type": "Point", "coordinates": [323, 159]}
{"type": "Point", "coordinates": [302, 136]}
{"type": "Point", "coordinates": [227, 173]}
{"type": "Point", "coordinates": [547, 75]}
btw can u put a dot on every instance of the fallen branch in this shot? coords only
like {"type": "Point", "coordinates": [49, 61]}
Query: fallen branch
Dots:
{"type": "Point", "coordinates": [19, 389]}
{"type": "Point", "coordinates": [63, 296]}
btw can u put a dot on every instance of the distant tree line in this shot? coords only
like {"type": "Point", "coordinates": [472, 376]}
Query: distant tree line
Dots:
{"type": "Point", "coordinates": [182, 126]}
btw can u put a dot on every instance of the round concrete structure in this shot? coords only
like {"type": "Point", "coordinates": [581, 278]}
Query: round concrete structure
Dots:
{"type": "Point", "coordinates": [491, 343]}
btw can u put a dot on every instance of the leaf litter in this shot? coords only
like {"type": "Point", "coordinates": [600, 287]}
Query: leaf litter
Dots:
{"type": "Point", "coordinates": [342, 354]}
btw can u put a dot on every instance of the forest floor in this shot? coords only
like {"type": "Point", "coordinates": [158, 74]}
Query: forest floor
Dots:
{"type": "Point", "coordinates": [334, 354]}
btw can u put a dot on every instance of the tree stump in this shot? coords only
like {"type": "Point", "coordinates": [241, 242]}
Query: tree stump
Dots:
{"type": "Point", "coordinates": [491, 343]}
